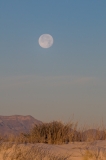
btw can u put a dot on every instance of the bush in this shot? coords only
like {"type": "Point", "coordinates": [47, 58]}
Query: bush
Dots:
{"type": "Point", "coordinates": [53, 133]}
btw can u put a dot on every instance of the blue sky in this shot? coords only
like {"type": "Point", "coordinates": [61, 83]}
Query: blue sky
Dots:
{"type": "Point", "coordinates": [65, 79]}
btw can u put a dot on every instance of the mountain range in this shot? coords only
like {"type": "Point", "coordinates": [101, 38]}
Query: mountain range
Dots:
{"type": "Point", "coordinates": [17, 124]}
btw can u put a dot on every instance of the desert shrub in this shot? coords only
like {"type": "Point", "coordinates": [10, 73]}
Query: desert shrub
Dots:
{"type": "Point", "coordinates": [54, 133]}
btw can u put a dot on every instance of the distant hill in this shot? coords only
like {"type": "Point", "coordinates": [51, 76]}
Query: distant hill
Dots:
{"type": "Point", "coordinates": [17, 124]}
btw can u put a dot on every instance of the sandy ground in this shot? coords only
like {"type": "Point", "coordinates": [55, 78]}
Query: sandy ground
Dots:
{"type": "Point", "coordinates": [72, 151]}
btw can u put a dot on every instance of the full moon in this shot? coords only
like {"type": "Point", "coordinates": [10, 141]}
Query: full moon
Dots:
{"type": "Point", "coordinates": [45, 40]}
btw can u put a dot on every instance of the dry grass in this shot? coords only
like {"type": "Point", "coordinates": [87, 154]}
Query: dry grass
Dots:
{"type": "Point", "coordinates": [60, 133]}
{"type": "Point", "coordinates": [11, 151]}
{"type": "Point", "coordinates": [54, 133]}
{"type": "Point", "coordinates": [96, 153]}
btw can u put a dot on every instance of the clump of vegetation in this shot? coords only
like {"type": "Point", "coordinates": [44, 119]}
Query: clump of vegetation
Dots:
{"type": "Point", "coordinates": [54, 133]}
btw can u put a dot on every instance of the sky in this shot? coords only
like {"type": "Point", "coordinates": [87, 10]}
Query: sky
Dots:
{"type": "Point", "coordinates": [57, 83]}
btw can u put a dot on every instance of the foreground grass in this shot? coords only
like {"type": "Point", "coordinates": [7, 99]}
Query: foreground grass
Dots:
{"type": "Point", "coordinates": [12, 151]}
{"type": "Point", "coordinates": [96, 153]}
